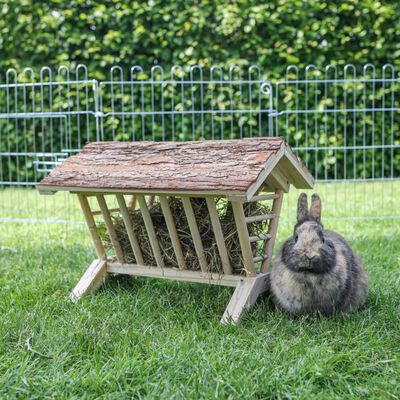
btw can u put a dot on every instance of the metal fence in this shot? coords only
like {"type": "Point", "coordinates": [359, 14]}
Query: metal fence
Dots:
{"type": "Point", "coordinates": [343, 122]}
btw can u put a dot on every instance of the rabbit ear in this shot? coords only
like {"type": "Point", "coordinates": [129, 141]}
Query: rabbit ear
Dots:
{"type": "Point", "coordinates": [302, 208]}
{"type": "Point", "coordinates": [315, 209]}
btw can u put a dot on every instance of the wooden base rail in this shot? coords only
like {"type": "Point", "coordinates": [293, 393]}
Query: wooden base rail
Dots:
{"type": "Point", "coordinates": [247, 289]}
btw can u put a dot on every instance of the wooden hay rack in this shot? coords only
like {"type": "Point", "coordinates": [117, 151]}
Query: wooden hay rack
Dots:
{"type": "Point", "coordinates": [241, 171]}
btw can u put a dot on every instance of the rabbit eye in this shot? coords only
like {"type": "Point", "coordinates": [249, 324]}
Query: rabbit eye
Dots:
{"type": "Point", "coordinates": [322, 239]}
{"type": "Point", "coordinates": [296, 238]}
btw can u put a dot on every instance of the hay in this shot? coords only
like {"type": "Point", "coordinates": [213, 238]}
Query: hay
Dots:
{"type": "Point", "coordinates": [200, 209]}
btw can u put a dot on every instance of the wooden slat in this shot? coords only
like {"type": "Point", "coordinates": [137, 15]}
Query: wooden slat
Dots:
{"type": "Point", "coordinates": [263, 197]}
{"type": "Point", "coordinates": [173, 273]}
{"type": "Point", "coordinates": [150, 230]}
{"type": "Point", "coordinates": [200, 193]}
{"type": "Point", "coordinates": [110, 227]}
{"type": "Point", "coordinates": [243, 233]}
{"type": "Point", "coordinates": [91, 280]}
{"type": "Point", "coordinates": [259, 238]}
{"type": "Point", "coordinates": [111, 210]}
{"type": "Point", "coordinates": [219, 236]}
{"type": "Point", "coordinates": [129, 229]}
{"type": "Point", "coordinates": [272, 230]}
{"type": "Point", "coordinates": [169, 219]}
{"type": "Point", "coordinates": [258, 218]}
{"type": "Point", "coordinates": [194, 231]}
{"type": "Point", "coordinates": [98, 244]}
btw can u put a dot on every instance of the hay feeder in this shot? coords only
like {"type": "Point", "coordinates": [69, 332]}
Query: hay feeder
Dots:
{"type": "Point", "coordinates": [137, 174]}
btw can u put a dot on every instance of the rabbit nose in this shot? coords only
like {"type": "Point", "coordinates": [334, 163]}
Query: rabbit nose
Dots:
{"type": "Point", "coordinates": [310, 257]}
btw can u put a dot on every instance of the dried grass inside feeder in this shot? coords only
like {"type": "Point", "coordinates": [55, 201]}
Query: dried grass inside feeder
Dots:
{"type": "Point", "coordinates": [201, 213]}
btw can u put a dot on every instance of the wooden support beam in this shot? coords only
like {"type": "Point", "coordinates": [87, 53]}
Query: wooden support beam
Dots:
{"type": "Point", "coordinates": [98, 244]}
{"type": "Point", "coordinates": [277, 180]}
{"type": "Point", "coordinates": [272, 230]}
{"type": "Point", "coordinates": [268, 167]}
{"type": "Point", "coordinates": [258, 218]}
{"type": "Point", "coordinates": [259, 258]}
{"type": "Point", "coordinates": [91, 280]}
{"type": "Point", "coordinates": [194, 231]}
{"type": "Point", "coordinates": [110, 227]}
{"type": "Point", "coordinates": [155, 246]}
{"type": "Point", "coordinates": [174, 274]}
{"type": "Point", "coordinates": [137, 252]}
{"type": "Point", "coordinates": [243, 233]}
{"type": "Point", "coordinates": [263, 197]}
{"type": "Point", "coordinates": [169, 219]}
{"type": "Point", "coordinates": [219, 236]}
{"type": "Point", "coordinates": [244, 296]}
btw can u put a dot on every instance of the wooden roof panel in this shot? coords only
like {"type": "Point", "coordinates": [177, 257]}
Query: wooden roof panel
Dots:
{"type": "Point", "coordinates": [210, 166]}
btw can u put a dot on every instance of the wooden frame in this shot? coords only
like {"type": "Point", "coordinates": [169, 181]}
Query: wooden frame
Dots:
{"type": "Point", "coordinates": [247, 287]}
{"type": "Point", "coordinates": [248, 170]}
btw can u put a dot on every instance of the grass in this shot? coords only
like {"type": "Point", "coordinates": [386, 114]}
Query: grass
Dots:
{"type": "Point", "coordinates": [145, 338]}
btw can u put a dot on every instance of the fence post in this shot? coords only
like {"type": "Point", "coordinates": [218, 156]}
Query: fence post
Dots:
{"type": "Point", "coordinates": [97, 113]}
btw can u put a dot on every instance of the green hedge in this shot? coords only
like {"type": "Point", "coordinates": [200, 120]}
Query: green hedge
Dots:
{"type": "Point", "coordinates": [272, 35]}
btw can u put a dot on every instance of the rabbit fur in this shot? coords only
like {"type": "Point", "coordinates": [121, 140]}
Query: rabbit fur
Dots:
{"type": "Point", "coordinates": [316, 271]}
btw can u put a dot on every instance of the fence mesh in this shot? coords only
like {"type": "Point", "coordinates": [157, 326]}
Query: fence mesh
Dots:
{"type": "Point", "coordinates": [343, 123]}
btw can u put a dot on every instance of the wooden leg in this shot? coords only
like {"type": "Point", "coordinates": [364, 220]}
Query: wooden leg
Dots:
{"type": "Point", "coordinates": [244, 296]}
{"type": "Point", "coordinates": [91, 280]}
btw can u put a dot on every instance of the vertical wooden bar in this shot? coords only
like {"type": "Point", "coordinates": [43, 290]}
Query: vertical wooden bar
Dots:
{"type": "Point", "coordinates": [132, 203]}
{"type": "Point", "coordinates": [272, 230]}
{"type": "Point", "coordinates": [169, 219]}
{"type": "Point", "coordinates": [219, 236]}
{"type": "Point", "coordinates": [194, 231]}
{"type": "Point", "coordinates": [110, 227]}
{"type": "Point", "coordinates": [150, 230]}
{"type": "Point", "coordinates": [98, 244]}
{"type": "Point", "coordinates": [129, 229]}
{"type": "Point", "coordinates": [244, 239]}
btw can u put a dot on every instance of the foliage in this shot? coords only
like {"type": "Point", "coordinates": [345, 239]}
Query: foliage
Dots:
{"type": "Point", "coordinates": [272, 34]}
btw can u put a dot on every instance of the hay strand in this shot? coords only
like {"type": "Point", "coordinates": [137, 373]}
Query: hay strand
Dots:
{"type": "Point", "coordinates": [201, 213]}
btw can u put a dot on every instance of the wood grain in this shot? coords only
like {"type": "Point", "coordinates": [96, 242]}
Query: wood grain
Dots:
{"type": "Point", "coordinates": [245, 295]}
{"type": "Point", "coordinates": [91, 280]}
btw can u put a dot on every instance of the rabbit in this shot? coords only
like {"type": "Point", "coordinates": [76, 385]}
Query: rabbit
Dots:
{"type": "Point", "coordinates": [316, 271]}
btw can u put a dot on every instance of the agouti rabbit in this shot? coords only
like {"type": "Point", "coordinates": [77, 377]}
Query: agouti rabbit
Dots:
{"type": "Point", "coordinates": [316, 270]}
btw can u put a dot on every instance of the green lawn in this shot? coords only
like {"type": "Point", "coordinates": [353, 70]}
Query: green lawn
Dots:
{"type": "Point", "coordinates": [144, 338]}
